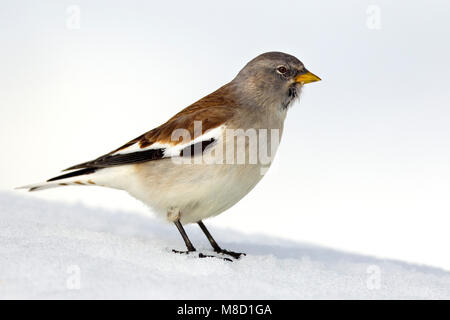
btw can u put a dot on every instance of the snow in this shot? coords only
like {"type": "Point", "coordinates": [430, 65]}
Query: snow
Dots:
{"type": "Point", "coordinates": [56, 250]}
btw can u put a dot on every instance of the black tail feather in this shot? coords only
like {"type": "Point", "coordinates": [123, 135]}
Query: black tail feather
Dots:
{"type": "Point", "coordinates": [74, 174]}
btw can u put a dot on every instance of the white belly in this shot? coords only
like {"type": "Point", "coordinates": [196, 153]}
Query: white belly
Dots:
{"type": "Point", "coordinates": [197, 191]}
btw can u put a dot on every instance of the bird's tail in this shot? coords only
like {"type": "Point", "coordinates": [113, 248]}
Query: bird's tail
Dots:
{"type": "Point", "coordinates": [119, 177]}
{"type": "Point", "coordinates": [79, 177]}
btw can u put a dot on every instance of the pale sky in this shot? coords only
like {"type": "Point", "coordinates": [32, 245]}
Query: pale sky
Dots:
{"type": "Point", "coordinates": [363, 165]}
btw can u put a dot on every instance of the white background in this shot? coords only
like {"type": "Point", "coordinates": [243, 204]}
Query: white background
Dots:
{"type": "Point", "coordinates": [364, 162]}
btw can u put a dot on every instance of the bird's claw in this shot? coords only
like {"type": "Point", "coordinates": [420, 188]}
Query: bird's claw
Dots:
{"type": "Point", "coordinates": [183, 252]}
{"type": "Point", "coordinates": [233, 254]}
{"type": "Point", "coordinates": [200, 255]}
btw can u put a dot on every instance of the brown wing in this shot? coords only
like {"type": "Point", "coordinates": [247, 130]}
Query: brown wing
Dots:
{"type": "Point", "coordinates": [212, 110]}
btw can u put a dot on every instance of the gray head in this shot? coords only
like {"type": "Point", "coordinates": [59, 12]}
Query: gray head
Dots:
{"type": "Point", "coordinates": [274, 78]}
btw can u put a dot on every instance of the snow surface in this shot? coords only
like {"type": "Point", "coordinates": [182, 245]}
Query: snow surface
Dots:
{"type": "Point", "coordinates": [44, 246]}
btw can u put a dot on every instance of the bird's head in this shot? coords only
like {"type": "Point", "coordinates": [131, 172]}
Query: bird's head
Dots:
{"type": "Point", "coordinates": [273, 78]}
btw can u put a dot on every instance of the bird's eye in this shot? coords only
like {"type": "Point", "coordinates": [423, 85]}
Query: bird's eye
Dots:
{"type": "Point", "coordinates": [282, 69]}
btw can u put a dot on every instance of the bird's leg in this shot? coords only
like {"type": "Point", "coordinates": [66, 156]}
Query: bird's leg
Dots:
{"type": "Point", "coordinates": [189, 246]}
{"type": "Point", "coordinates": [214, 244]}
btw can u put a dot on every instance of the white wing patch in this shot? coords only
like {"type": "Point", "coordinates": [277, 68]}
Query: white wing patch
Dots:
{"type": "Point", "coordinates": [174, 150]}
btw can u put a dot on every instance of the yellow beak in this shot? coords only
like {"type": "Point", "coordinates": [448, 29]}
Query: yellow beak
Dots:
{"type": "Point", "coordinates": [307, 78]}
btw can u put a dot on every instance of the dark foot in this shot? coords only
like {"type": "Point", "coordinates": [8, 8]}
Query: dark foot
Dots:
{"type": "Point", "coordinates": [214, 244]}
{"type": "Point", "coordinates": [233, 254]}
{"type": "Point", "coordinates": [200, 255]}
{"type": "Point", "coordinates": [183, 252]}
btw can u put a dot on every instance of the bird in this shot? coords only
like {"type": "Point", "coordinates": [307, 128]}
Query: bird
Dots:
{"type": "Point", "coordinates": [204, 159]}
